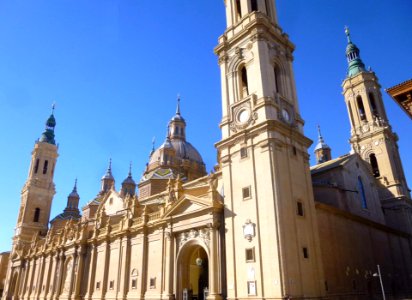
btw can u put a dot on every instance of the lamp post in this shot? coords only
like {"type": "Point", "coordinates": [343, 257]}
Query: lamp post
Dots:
{"type": "Point", "coordinates": [380, 279]}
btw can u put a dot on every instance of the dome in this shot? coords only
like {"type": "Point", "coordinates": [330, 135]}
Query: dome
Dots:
{"type": "Point", "coordinates": [182, 148]}
{"type": "Point", "coordinates": [129, 180]}
{"type": "Point", "coordinates": [178, 117]}
{"type": "Point", "coordinates": [321, 145]}
{"type": "Point", "coordinates": [351, 48]}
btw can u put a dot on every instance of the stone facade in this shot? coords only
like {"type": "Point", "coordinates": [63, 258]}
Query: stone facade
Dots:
{"type": "Point", "coordinates": [263, 226]}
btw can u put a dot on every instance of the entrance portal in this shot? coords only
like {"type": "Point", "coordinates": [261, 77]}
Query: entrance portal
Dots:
{"type": "Point", "coordinates": [193, 273]}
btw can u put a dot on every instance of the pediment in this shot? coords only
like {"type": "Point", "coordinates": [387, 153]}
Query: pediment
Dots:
{"type": "Point", "coordinates": [188, 205]}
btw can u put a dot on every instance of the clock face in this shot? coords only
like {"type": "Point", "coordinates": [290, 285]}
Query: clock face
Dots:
{"type": "Point", "coordinates": [285, 115]}
{"type": "Point", "coordinates": [243, 116]}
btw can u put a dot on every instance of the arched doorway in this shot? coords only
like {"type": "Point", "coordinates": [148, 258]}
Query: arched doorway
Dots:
{"type": "Point", "coordinates": [192, 272]}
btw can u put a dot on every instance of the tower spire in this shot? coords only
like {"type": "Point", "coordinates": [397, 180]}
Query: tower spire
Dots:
{"type": "Point", "coordinates": [178, 105]}
{"type": "Point", "coordinates": [355, 64]}
{"type": "Point", "coordinates": [48, 134]}
{"type": "Point", "coordinates": [108, 179]}
{"type": "Point", "coordinates": [322, 150]}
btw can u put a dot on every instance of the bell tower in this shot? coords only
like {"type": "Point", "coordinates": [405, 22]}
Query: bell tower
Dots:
{"type": "Point", "coordinates": [272, 243]}
{"type": "Point", "coordinates": [38, 191]}
{"type": "Point", "coordinates": [372, 136]}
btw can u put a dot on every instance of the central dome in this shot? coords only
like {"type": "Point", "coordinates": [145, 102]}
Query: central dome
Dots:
{"type": "Point", "coordinates": [176, 157]}
{"type": "Point", "coordinates": [183, 150]}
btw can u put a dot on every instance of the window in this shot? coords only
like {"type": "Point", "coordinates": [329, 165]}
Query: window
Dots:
{"type": "Point", "coordinates": [244, 82]}
{"type": "Point", "coordinates": [134, 283]}
{"type": "Point", "coordinates": [246, 193]}
{"type": "Point", "coordinates": [361, 108]}
{"type": "Point", "coordinates": [362, 193]}
{"type": "Point", "coordinates": [276, 72]}
{"type": "Point", "coordinates": [254, 5]}
{"type": "Point", "coordinates": [36, 166]}
{"type": "Point", "coordinates": [326, 286]}
{"type": "Point", "coordinates": [350, 113]}
{"type": "Point", "coordinates": [36, 215]}
{"type": "Point", "coordinates": [373, 105]}
{"type": "Point", "coordinates": [98, 285]}
{"type": "Point", "coordinates": [238, 10]}
{"type": "Point", "coordinates": [299, 208]}
{"type": "Point", "coordinates": [153, 282]}
{"type": "Point", "coordinates": [374, 165]}
{"type": "Point", "coordinates": [46, 163]}
{"type": "Point", "coordinates": [111, 284]}
{"type": "Point", "coordinates": [243, 152]}
{"type": "Point", "coordinates": [354, 284]}
{"type": "Point", "coordinates": [250, 254]}
{"type": "Point", "coordinates": [295, 152]}
{"type": "Point", "coordinates": [305, 252]}
{"type": "Point", "coordinates": [110, 201]}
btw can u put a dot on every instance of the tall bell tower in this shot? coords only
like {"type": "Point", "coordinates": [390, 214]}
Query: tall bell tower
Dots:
{"type": "Point", "coordinates": [272, 243]}
{"type": "Point", "coordinates": [372, 137]}
{"type": "Point", "coordinates": [38, 191]}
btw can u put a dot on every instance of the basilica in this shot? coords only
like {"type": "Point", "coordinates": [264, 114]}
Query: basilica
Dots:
{"type": "Point", "coordinates": [263, 225]}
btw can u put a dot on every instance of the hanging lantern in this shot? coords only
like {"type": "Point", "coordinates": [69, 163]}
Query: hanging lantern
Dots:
{"type": "Point", "coordinates": [199, 261]}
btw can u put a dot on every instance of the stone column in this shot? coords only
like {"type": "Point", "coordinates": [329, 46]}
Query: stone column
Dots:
{"type": "Point", "coordinates": [47, 273]}
{"type": "Point", "coordinates": [78, 273]}
{"type": "Point", "coordinates": [92, 272]}
{"type": "Point", "coordinates": [59, 276]}
{"type": "Point", "coordinates": [169, 261]}
{"type": "Point", "coordinates": [106, 268]}
{"type": "Point", "coordinates": [125, 268]}
{"type": "Point", "coordinates": [70, 277]}
{"type": "Point", "coordinates": [213, 263]}
{"type": "Point", "coordinates": [53, 271]}
{"type": "Point", "coordinates": [27, 285]}
{"type": "Point", "coordinates": [40, 281]}
{"type": "Point", "coordinates": [22, 288]}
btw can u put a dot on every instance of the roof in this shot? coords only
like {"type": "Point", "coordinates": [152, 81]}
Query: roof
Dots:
{"type": "Point", "coordinates": [402, 94]}
{"type": "Point", "coordinates": [331, 164]}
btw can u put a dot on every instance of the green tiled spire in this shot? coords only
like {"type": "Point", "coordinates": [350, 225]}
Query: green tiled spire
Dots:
{"type": "Point", "coordinates": [352, 54]}
{"type": "Point", "coordinates": [48, 134]}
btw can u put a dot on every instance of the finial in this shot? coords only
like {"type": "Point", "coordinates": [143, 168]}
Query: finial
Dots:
{"type": "Point", "coordinates": [110, 165]}
{"type": "Point", "coordinates": [347, 32]}
{"type": "Point", "coordinates": [178, 105]}
{"type": "Point", "coordinates": [53, 107]}
{"type": "Point", "coordinates": [153, 143]}
{"type": "Point", "coordinates": [75, 185]}
{"type": "Point", "coordinates": [319, 133]}
{"type": "Point", "coordinates": [320, 137]}
{"type": "Point", "coordinates": [168, 132]}
{"type": "Point", "coordinates": [130, 169]}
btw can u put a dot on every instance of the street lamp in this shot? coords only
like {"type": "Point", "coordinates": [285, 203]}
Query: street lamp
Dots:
{"type": "Point", "coordinates": [380, 279]}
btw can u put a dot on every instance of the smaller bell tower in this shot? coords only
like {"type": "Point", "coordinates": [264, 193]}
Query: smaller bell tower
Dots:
{"type": "Point", "coordinates": [38, 191]}
{"type": "Point", "coordinates": [373, 139]}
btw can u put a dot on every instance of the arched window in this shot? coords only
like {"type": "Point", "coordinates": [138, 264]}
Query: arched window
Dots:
{"type": "Point", "coordinates": [46, 164]}
{"type": "Point", "coordinates": [350, 113]}
{"type": "Point", "coordinates": [36, 166]}
{"type": "Point", "coordinates": [373, 105]}
{"type": "Point", "coordinates": [361, 108]}
{"type": "Point", "coordinates": [254, 5]}
{"type": "Point", "coordinates": [362, 193]}
{"type": "Point", "coordinates": [244, 82]}
{"type": "Point", "coordinates": [238, 10]}
{"type": "Point", "coordinates": [276, 72]}
{"type": "Point", "coordinates": [36, 215]}
{"type": "Point", "coordinates": [374, 165]}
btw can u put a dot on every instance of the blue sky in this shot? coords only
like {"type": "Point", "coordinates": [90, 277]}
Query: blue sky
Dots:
{"type": "Point", "coordinates": [114, 68]}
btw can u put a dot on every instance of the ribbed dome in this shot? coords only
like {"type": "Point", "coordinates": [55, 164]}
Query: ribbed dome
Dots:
{"type": "Point", "coordinates": [183, 150]}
